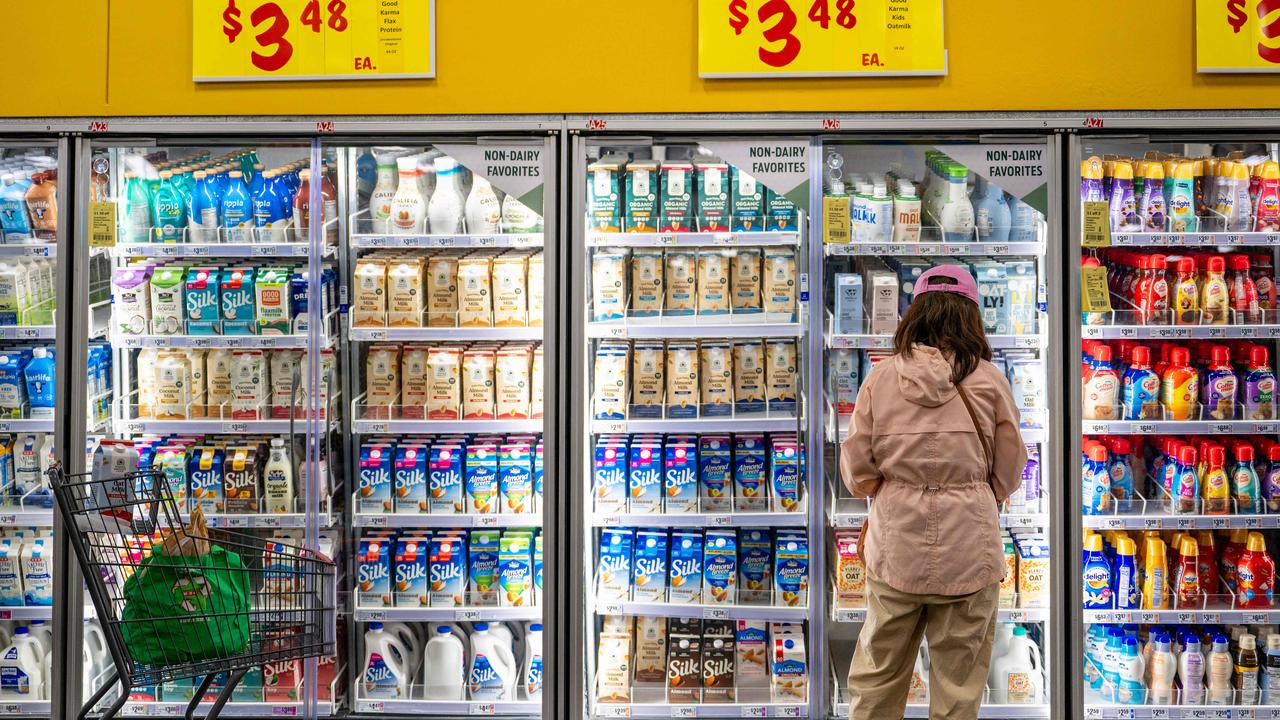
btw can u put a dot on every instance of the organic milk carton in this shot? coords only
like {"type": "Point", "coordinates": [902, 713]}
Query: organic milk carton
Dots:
{"type": "Point", "coordinates": [609, 401]}
{"type": "Point", "coordinates": [604, 193]}
{"type": "Point", "coordinates": [744, 280]}
{"type": "Point", "coordinates": [373, 572]}
{"type": "Point", "coordinates": [204, 473]}
{"type": "Point", "coordinates": [409, 572]}
{"type": "Point", "coordinates": [609, 480]}
{"type": "Point", "coordinates": [37, 572]}
{"type": "Point", "coordinates": [447, 570]}
{"type": "Point", "coordinates": [609, 284]}
{"type": "Point", "coordinates": [510, 293]}
{"type": "Point", "coordinates": [680, 477]}
{"type": "Point", "coordinates": [444, 400]}
{"type": "Point", "coordinates": [273, 301]}
{"type": "Point", "coordinates": [614, 580]}
{"type": "Point", "coordinates": [442, 291]}
{"type": "Point", "coordinates": [748, 376]}
{"type": "Point", "coordinates": [515, 570]}
{"type": "Point", "coordinates": [713, 281]}
{"type": "Point", "coordinates": [782, 213]}
{"type": "Point", "coordinates": [791, 570]}
{"type": "Point", "coordinates": [748, 202]}
{"type": "Point", "coordinates": [683, 387]}
{"type": "Point", "coordinates": [641, 202]}
{"type": "Point", "coordinates": [514, 379]}
{"type": "Point", "coordinates": [168, 308]}
{"type": "Point", "coordinates": [483, 548]}
{"type": "Point", "coordinates": [785, 473]}
{"type": "Point", "coordinates": [676, 196]}
{"type": "Point", "coordinates": [406, 292]}
{"type": "Point", "coordinates": [242, 479]}
{"type": "Point", "coordinates": [481, 480]}
{"type": "Point", "coordinates": [648, 386]}
{"type": "Point", "coordinates": [780, 375]}
{"type": "Point", "coordinates": [713, 195]}
{"type": "Point", "coordinates": [720, 567]}
{"type": "Point", "coordinates": [680, 279]}
{"type": "Point", "coordinates": [755, 571]}
{"type": "Point", "coordinates": [131, 301]}
{"type": "Point", "coordinates": [650, 566]}
{"type": "Point", "coordinates": [376, 463]}
{"type": "Point", "coordinates": [647, 292]}
{"type": "Point", "coordinates": [410, 479]}
{"type": "Point", "coordinates": [444, 478]}
{"type": "Point", "coordinates": [749, 484]}
{"type": "Point", "coordinates": [239, 302]}
{"type": "Point", "coordinates": [204, 301]}
{"type": "Point", "coordinates": [778, 282]}
{"type": "Point", "coordinates": [685, 585]}
{"type": "Point", "coordinates": [715, 473]}
{"type": "Point", "coordinates": [475, 291]}
{"type": "Point", "coordinates": [370, 306]}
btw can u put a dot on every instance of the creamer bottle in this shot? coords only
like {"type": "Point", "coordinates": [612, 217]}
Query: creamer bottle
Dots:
{"type": "Point", "coordinates": [906, 213]}
{"type": "Point", "coordinates": [1217, 486]}
{"type": "Point", "coordinates": [1185, 489]}
{"type": "Point", "coordinates": [1245, 486]}
{"type": "Point", "coordinates": [1141, 387]}
{"type": "Point", "coordinates": [278, 479]}
{"type": "Point", "coordinates": [1259, 386]}
{"type": "Point", "coordinates": [484, 212]}
{"type": "Point", "coordinates": [1242, 290]}
{"type": "Point", "coordinates": [1128, 591]}
{"type": "Point", "coordinates": [1163, 667]}
{"type": "Point", "coordinates": [1220, 665]}
{"type": "Point", "coordinates": [1215, 297]}
{"type": "Point", "coordinates": [956, 216]}
{"type": "Point", "coordinates": [1153, 203]}
{"type": "Point", "coordinates": [1266, 208]}
{"type": "Point", "coordinates": [1091, 179]}
{"type": "Point", "coordinates": [1245, 680]}
{"type": "Point", "coordinates": [1182, 201]}
{"type": "Point", "coordinates": [1187, 590]}
{"type": "Point", "coordinates": [1155, 583]}
{"type": "Point", "coordinates": [408, 208]}
{"type": "Point", "coordinates": [1255, 575]}
{"type": "Point", "coordinates": [383, 194]}
{"type": "Point", "coordinates": [1102, 388]}
{"type": "Point", "coordinates": [1096, 481]}
{"type": "Point", "coordinates": [1219, 395]}
{"type": "Point", "coordinates": [1179, 388]}
{"type": "Point", "coordinates": [1123, 209]}
{"type": "Point", "coordinates": [1271, 672]}
{"type": "Point", "coordinates": [1191, 672]}
{"type": "Point", "coordinates": [1243, 205]}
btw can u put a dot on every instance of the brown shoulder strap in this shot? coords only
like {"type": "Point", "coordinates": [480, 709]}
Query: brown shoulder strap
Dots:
{"type": "Point", "coordinates": [982, 437]}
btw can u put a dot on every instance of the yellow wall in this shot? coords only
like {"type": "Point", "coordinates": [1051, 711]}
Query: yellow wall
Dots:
{"type": "Point", "coordinates": [133, 57]}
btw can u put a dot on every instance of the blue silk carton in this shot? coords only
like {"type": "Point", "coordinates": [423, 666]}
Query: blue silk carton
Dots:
{"type": "Point", "coordinates": [614, 570]}
{"type": "Point", "coordinates": [791, 570]}
{"type": "Point", "coordinates": [204, 301]}
{"type": "Point", "coordinates": [204, 472]}
{"type": "Point", "coordinates": [715, 473]}
{"type": "Point", "coordinates": [239, 302]}
{"type": "Point", "coordinates": [482, 567]}
{"type": "Point", "coordinates": [515, 478]}
{"type": "Point", "coordinates": [644, 477]}
{"type": "Point", "coordinates": [609, 479]}
{"type": "Point", "coordinates": [409, 572]}
{"type": "Point", "coordinates": [448, 570]}
{"type": "Point", "coordinates": [411, 479]}
{"type": "Point", "coordinates": [481, 479]}
{"type": "Point", "coordinates": [755, 566]}
{"type": "Point", "coordinates": [784, 474]}
{"type": "Point", "coordinates": [720, 567]}
{"type": "Point", "coordinates": [650, 566]}
{"type": "Point", "coordinates": [680, 479]}
{"type": "Point", "coordinates": [749, 480]}
{"type": "Point", "coordinates": [373, 572]}
{"type": "Point", "coordinates": [376, 465]}
{"type": "Point", "coordinates": [444, 478]}
{"type": "Point", "coordinates": [685, 584]}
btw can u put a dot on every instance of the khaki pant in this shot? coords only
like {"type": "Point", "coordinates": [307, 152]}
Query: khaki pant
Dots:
{"type": "Point", "coordinates": [960, 629]}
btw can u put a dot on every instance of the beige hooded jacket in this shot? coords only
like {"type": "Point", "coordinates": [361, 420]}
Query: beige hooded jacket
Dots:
{"type": "Point", "coordinates": [934, 525]}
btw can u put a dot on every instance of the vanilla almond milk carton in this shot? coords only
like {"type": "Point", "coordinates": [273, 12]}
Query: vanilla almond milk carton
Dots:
{"type": "Point", "coordinates": [248, 385]}
{"type": "Point", "coordinates": [415, 382]}
{"type": "Point", "coordinates": [442, 291]}
{"type": "Point", "coordinates": [535, 281]}
{"type": "Point", "coordinates": [444, 401]}
{"type": "Point", "coordinates": [713, 282]}
{"type": "Point", "coordinates": [406, 291]}
{"type": "Point", "coordinates": [536, 387]}
{"type": "Point", "coordinates": [475, 296]}
{"type": "Point", "coordinates": [510, 295]}
{"type": "Point", "coordinates": [382, 380]}
{"type": "Point", "coordinates": [369, 308]}
{"type": "Point", "coordinates": [683, 386]}
{"type": "Point", "coordinates": [513, 381]}
{"type": "Point", "coordinates": [779, 281]}
{"type": "Point", "coordinates": [478, 401]}
{"type": "Point", "coordinates": [681, 270]}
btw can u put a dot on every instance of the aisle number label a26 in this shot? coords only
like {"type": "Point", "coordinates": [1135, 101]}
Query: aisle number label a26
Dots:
{"type": "Point", "coordinates": [312, 39]}
{"type": "Point", "coordinates": [813, 38]}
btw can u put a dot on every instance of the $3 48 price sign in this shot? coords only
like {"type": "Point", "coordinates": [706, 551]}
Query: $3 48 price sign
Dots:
{"type": "Point", "coordinates": [1238, 18]}
{"type": "Point", "coordinates": [271, 24]}
{"type": "Point", "coordinates": [777, 20]}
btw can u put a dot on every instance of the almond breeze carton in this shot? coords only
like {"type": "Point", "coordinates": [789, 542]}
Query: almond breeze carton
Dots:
{"type": "Point", "coordinates": [755, 566]}
{"type": "Point", "coordinates": [376, 466]}
{"type": "Point", "coordinates": [685, 585]}
{"type": "Point", "coordinates": [650, 566]}
{"type": "Point", "coordinates": [373, 573]}
{"type": "Point", "coordinates": [784, 473]}
{"type": "Point", "coordinates": [515, 477]}
{"type": "Point", "coordinates": [720, 568]}
{"type": "Point", "coordinates": [482, 567]}
{"type": "Point", "coordinates": [715, 473]}
{"type": "Point", "coordinates": [610, 477]}
{"type": "Point", "coordinates": [444, 478]}
{"type": "Point", "coordinates": [680, 478]}
{"type": "Point", "coordinates": [410, 479]}
{"type": "Point", "coordinates": [615, 564]}
{"type": "Point", "coordinates": [482, 478]}
{"type": "Point", "coordinates": [791, 570]}
{"type": "Point", "coordinates": [410, 572]}
{"type": "Point", "coordinates": [645, 486]}
{"type": "Point", "coordinates": [749, 484]}
{"type": "Point", "coordinates": [448, 570]}
{"type": "Point", "coordinates": [537, 569]}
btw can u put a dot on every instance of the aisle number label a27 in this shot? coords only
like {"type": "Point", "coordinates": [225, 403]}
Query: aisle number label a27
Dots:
{"type": "Point", "coordinates": [813, 38]}
{"type": "Point", "coordinates": [312, 39]}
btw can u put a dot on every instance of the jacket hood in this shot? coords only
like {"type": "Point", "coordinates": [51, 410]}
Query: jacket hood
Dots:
{"type": "Point", "coordinates": [925, 377]}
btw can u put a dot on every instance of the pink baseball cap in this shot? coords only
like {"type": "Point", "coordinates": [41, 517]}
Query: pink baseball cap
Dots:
{"type": "Point", "coordinates": [948, 278]}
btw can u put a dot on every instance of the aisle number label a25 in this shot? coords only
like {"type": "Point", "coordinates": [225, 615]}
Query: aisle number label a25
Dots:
{"type": "Point", "coordinates": [312, 39]}
{"type": "Point", "coordinates": [811, 38]}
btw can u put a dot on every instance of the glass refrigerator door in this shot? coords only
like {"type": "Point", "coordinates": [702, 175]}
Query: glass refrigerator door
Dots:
{"type": "Point", "coordinates": [448, 287]}
{"type": "Point", "coordinates": [1177, 477]}
{"type": "Point", "coordinates": [212, 357]}
{"type": "Point", "coordinates": [692, 302]}
{"type": "Point", "coordinates": [32, 179]}
{"type": "Point", "coordinates": [890, 210]}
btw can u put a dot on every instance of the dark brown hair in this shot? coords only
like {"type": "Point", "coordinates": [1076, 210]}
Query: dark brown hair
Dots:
{"type": "Point", "coordinates": [949, 322]}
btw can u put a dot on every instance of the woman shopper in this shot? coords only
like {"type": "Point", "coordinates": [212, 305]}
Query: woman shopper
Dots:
{"type": "Point", "coordinates": [935, 442]}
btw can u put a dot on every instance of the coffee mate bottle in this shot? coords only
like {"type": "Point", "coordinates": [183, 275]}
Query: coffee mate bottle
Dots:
{"type": "Point", "coordinates": [278, 484]}
{"type": "Point", "coordinates": [408, 207]}
{"type": "Point", "coordinates": [446, 207]}
{"type": "Point", "coordinates": [383, 193]}
{"type": "Point", "coordinates": [484, 212]}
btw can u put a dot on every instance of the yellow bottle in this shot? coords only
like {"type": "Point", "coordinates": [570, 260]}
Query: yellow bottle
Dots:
{"type": "Point", "coordinates": [1155, 579]}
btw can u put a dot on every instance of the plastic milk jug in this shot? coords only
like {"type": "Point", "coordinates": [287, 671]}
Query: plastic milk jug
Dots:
{"type": "Point", "coordinates": [444, 670]}
{"type": "Point", "coordinates": [21, 673]}
{"type": "Point", "coordinates": [383, 676]}
{"type": "Point", "coordinates": [493, 666]}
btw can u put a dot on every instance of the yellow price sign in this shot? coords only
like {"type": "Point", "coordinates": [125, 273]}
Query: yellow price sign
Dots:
{"type": "Point", "coordinates": [237, 40]}
{"type": "Point", "coordinates": [820, 38]}
{"type": "Point", "coordinates": [1238, 36]}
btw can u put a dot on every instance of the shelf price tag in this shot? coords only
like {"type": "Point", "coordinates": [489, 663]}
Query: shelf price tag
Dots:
{"type": "Point", "coordinates": [1097, 225]}
{"type": "Point", "coordinates": [285, 711]}
{"type": "Point", "coordinates": [486, 521]}
{"type": "Point", "coordinates": [468, 614]}
{"type": "Point", "coordinates": [482, 709]}
{"type": "Point", "coordinates": [684, 711]}
{"type": "Point", "coordinates": [754, 711]}
{"type": "Point", "coordinates": [1159, 713]}
{"type": "Point", "coordinates": [613, 711]}
{"type": "Point", "coordinates": [714, 613]}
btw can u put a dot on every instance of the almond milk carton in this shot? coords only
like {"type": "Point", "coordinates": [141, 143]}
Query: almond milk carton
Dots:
{"type": "Point", "coordinates": [510, 295]}
{"type": "Point", "coordinates": [535, 281]}
{"type": "Point", "coordinates": [382, 380]}
{"type": "Point", "coordinates": [475, 297]}
{"type": "Point", "coordinates": [536, 385]}
{"type": "Point", "coordinates": [713, 282]}
{"type": "Point", "coordinates": [513, 382]}
{"type": "Point", "coordinates": [442, 291]}
{"type": "Point", "coordinates": [406, 291]}
{"type": "Point", "coordinates": [478, 401]}
{"type": "Point", "coordinates": [444, 401]}
{"type": "Point", "coordinates": [680, 278]}
{"type": "Point", "coordinates": [370, 306]}
{"type": "Point", "coordinates": [415, 382]}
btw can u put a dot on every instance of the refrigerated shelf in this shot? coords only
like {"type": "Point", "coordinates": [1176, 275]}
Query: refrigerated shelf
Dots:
{"type": "Point", "coordinates": [885, 342]}
{"type": "Point", "coordinates": [663, 328]}
{"type": "Point", "coordinates": [231, 709]}
{"type": "Point", "coordinates": [1017, 615]}
{"type": "Point", "coordinates": [28, 332]}
{"type": "Point", "coordinates": [411, 334]}
{"type": "Point", "coordinates": [37, 708]}
{"type": "Point", "coordinates": [1012, 712]}
{"type": "Point", "coordinates": [25, 517]}
{"type": "Point", "coordinates": [1181, 712]}
{"type": "Point", "coordinates": [401, 614]}
{"type": "Point", "coordinates": [1179, 332]}
{"type": "Point", "coordinates": [38, 425]}
{"type": "Point", "coordinates": [706, 612]}
{"type": "Point", "coordinates": [936, 249]}
{"type": "Point", "coordinates": [283, 342]}
{"type": "Point", "coordinates": [371, 427]}
{"type": "Point", "coordinates": [692, 239]}
{"type": "Point", "coordinates": [427, 520]}
{"type": "Point", "coordinates": [49, 250]}
{"type": "Point", "coordinates": [1180, 427]}
{"type": "Point", "coordinates": [26, 612]}
{"type": "Point", "coordinates": [1211, 239]}
{"type": "Point", "coordinates": [1184, 617]}
{"type": "Point", "coordinates": [743, 519]}
{"type": "Point", "coordinates": [774, 422]}
{"type": "Point", "coordinates": [1167, 521]}
{"type": "Point", "coordinates": [226, 427]}
{"type": "Point", "coordinates": [262, 250]}
{"type": "Point", "coordinates": [450, 708]}
{"type": "Point", "coordinates": [703, 710]}
{"type": "Point", "coordinates": [513, 240]}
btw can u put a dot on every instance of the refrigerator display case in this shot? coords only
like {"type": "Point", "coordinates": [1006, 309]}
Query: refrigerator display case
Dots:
{"type": "Point", "coordinates": [691, 433]}
{"type": "Point", "coordinates": [33, 226]}
{"type": "Point", "coordinates": [890, 209]}
{"type": "Point", "coordinates": [1174, 471]}
{"type": "Point", "coordinates": [449, 271]}
{"type": "Point", "coordinates": [211, 296]}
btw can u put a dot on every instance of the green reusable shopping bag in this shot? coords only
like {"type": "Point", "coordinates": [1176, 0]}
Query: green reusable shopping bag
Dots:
{"type": "Point", "coordinates": [182, 608]}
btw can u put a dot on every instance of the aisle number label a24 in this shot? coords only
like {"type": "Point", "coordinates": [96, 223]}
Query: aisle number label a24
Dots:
{"type": "Point", "coordinates": [253, 40]}
{"type": "Point", "coordinates": [815, 38]}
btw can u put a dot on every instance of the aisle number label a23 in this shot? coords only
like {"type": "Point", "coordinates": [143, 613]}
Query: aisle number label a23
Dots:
{"type": "Point", "coordinates": [809, 38]}
{"type": "Point", "coordinates": [312, 39]}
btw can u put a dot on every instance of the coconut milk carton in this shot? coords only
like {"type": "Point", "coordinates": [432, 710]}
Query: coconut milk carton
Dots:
{"type": "Point", "coordinates": [168, 306]}
{"type": "Point", "coordinates": [204, 301]}
{"type": "Point", "coordinates": [238, 302]}
{"type": "Point", "coordinates": [131, 301]}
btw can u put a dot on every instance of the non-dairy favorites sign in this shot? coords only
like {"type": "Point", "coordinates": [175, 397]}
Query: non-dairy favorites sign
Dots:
{"type": "Point", "coordinates": [1020, 170]}
{"type": "Point", "coordinates": [820, 38]}
{"type": "Point", "coordinates": [1237, 36]}
{"type": "Point", "coordinates": [514, 169]}
{"type": "Point", "coordinates": [780, 165]}
{"type": "Point", "coordinates": [257, 40]}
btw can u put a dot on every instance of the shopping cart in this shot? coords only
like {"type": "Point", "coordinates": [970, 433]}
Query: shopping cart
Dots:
{"type": "Point", "coordinates": [114, 524]}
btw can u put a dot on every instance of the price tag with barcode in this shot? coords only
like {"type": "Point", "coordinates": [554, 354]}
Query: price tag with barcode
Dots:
{"type": "Point", "coordinates": [482, 709]}
{"type": "Point", "coordinates": [613, 711]}
{"type": "Point", "coordinates": [719, 520]}
{"type": "Point", "coordinates": [469, 614]}
{"type": "Point", "coordinates": [284, 711]}
{"type": "Point", "coordinates": [611, 609]}
{"type": "Point", "coordinates": [713, 613]}
{"type": "Point", "coordinates": [235, 427]}
{"type": "Point", "coordinates": [263, 251]}
{"type": "Point", "coordinates": [486, 521]}
{"type": "Point", "coordinates": [1159, 713]}
{"type": "Point", "coordinates": [754, 711]}
{"type": "Point", "coordinates": [684, 711]}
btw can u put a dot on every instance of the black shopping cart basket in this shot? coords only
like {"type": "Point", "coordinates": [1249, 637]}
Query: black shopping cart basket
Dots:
{"type": "Point", "coordinates": [176, 603]}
